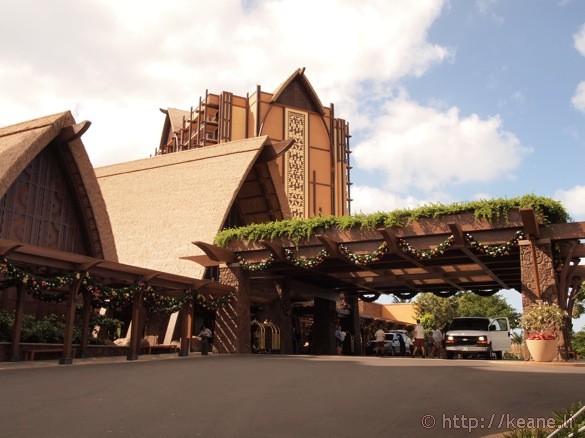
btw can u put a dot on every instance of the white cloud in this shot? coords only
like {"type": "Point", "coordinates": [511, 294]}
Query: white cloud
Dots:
{"type": "Point", "coordinates": [578, 99]}
{"type": "Point", "coordinates": [123, 59]}
{"type": "Point", "coordinates": [371, 199]}
{"type": "Point", "coordinates": [428, 148]}
{"type": "Point", "coordinates": [579, 38]}
{"type": "Point", "coordinates": [574, 201]}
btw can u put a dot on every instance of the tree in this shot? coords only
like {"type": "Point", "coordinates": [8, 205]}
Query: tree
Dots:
{"type": "Point", "coordinates": [578, 342]}
{"type": "Point", "coordinates": [435, 312]}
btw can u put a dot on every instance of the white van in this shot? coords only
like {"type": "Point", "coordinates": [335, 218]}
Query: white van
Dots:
{"type": "Point", "coordinates": [486, 337]}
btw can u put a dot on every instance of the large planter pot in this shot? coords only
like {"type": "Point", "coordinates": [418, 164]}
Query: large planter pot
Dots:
{"type": "Point", "coordinates": [542, 350]}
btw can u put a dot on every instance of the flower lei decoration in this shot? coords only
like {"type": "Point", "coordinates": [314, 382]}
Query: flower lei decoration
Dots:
{"type": "Point", "coordinates": [113, 298]}
{"type": "Point", "coordinates": [36, 285]}
{"type": "Point", "coordinates": [101, 295]}
{"type": "Point", "coordinates": [364, 259]}
{"type": "Point", "coordinates": [425, 254]}
{"type": "Point", "coordinates": [305, 262]}
{"type": "Point", "coordinates": [258, 266]}
{"type": "Point", "coordinates": [495, 250]}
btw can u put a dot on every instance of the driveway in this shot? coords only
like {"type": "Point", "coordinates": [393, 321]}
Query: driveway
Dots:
{"type": "Point", "coordinates": [281, 396]}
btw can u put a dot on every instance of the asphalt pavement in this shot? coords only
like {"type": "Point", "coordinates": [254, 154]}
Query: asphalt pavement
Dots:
{"type": "Point", "coordinates": [281, 396]}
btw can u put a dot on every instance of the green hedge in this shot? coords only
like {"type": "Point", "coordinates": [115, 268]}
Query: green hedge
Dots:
{"type": "Point", "coordinates": [547, 210]}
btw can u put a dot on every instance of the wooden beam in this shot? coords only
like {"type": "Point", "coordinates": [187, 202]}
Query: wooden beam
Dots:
{"type": "Point", "coordinates": [7, 249]}
{"type": "Point", "coordinates": [73, 132]}
{"type": "Point", "coordinates": [393, 247]}
{"type": "Point", "coordinates": [67, 358]}
{"type": "Point", "coordinates": [18, 318]}
{"type": "Point", "coordinates": [186, 328]}
{"type": "Point", "coordinates": [275, 249]}
{"type": "Point", "coordinates": [331, 246]}
{"type": "Point", "coordinates": [135, 326]}
{"type": "Point", "coordinates": [579, 251]}
{"type": "Point", "coordinates": [457, 232]}
{"type": "Point", "coordinates": [216, 253]}
{"type": "Point", "coordinates": [530, 222]}
{"type": "Point", "coordinates": [272, 151]}
{"type": "Point", "coordinates": [202, 260]}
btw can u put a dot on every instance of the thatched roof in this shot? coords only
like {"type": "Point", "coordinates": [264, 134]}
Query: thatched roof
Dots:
{"type": "Point", "coordinates": [160, 205]}
{"type": "Point", "coordinates": [173, 122]}
{"type": "Point", "coordinates": [21, 143]}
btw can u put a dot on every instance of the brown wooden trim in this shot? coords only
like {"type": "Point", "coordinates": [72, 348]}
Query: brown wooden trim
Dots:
{"type": "Point", "coordinates": [216, 253]}
{"type": "Point", "coordinates": [73, 132]}
{"type": "Point", "coordinates": [135, 329]}
{"type": "Point", "coordinates": [530, 222]}
{"type": "Point", "coordinates": [460, 239]}
{"type": "Point", "coordinates": [271, 151]}
{"type": "Point", "coordinates": [87, 309]}
{"type": "Point", "coordinates": [17, 328]}
{"type": "Point", "coordinates": [67, 358]}
{"type": "Point", "coordinates": [275, 249]}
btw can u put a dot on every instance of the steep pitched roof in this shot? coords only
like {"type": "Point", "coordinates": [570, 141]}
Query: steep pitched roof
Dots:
{"type": "Point", "coordinates": [173, 122]}
{"type": "Point", "coordinates": [159, 205]}
{"type": "Point", "coordinates": [21, 143]}
{"type": "Point", "coordinates": [295, 82]}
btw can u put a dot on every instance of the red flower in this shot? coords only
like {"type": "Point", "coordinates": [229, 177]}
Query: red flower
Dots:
{"type": "Point", "coordinates": [541, 336]}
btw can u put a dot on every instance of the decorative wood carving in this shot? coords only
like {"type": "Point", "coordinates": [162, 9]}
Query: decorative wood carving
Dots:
{"type": "Point", "coordinates": [39, 208]}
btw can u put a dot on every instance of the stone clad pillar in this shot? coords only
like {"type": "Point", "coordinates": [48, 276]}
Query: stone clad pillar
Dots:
{"type": "Point", "coordinates": [537, 271]}
{"type": "Point", "coordinates": [354, 312]}
{"type": "Point", "coordinates": [539, 281]}
{"type": "Point", "coordinates": [325, 319]}
{"type": "Point", "coordinates": [232, 323]}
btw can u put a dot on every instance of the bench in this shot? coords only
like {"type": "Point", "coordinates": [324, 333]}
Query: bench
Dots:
{"type": "Point", "coordinates": [30, 350]}
{"type": "Point", "coordinates": [154, 345]}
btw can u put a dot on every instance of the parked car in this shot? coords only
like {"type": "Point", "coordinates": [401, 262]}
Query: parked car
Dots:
{"type": "Point", "coordinates": [391, 344]}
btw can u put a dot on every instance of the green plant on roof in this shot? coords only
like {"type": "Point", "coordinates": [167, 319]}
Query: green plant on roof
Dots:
{"type": "Point", "coordinates": [547, 211]}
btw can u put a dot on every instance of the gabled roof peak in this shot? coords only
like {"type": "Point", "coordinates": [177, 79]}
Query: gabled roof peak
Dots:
{"type": "Point", "coordinates": [299, 77]}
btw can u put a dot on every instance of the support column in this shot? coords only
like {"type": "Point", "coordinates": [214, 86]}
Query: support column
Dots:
{"type": "Point", "coordinates": [135, 326]}
{"type": "Point", "coordinates": [539, 281]}
{"type": "Point", "coordinates": [354, 312]}
{"type": "Point", "coordinates": [17, 329]}
{"type": "Point", "coordinates": [278, 311]}
{"type": "Point", "coordinates": [325, 319]}
{"type": "Point", "coordinates": [232, 323]}
{"type": "Point", "coordinates": [67, 358]}
{"type": "Point", "coordinates": [85, 324]}
{"type": "Point", "coordinates": [186, 328]}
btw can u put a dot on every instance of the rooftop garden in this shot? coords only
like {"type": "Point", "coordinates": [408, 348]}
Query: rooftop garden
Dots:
{"type": "Point", "coordinates": [547, 210]}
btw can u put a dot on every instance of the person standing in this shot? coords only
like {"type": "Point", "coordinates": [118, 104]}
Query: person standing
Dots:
{"type": "Point", "coordinates": [205, 335]}
{"type": "Point", "coordinates": [339, 336]}
{"type": "Point", "coordinates": [380, 338]}
{"type": "Point", "coordinates": [437, 342]}
{"type": "Point", "coordinates": [419, 339]}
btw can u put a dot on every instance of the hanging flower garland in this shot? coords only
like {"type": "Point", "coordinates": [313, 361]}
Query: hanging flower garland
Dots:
{"type": "Point", "coordinates": [109, 297]}
{"type": "Point", "coordinates": [258, 266]}
{"type": "Point", "coordinates": [369, 298]}
{"type": "Point", "coordinates": [495, 250]}
{"type": "Point", "coordinates": [36, 285]}
{"type": "Point", "coordinates": [305, 262]}
{"type": "Point", "coordinates": [211, 304]}
{"type": "Point", "coordinates": [425, 254]}
{"type": "Point", "coordinates": [157, 303]}
{"type": "Point", "coordinates": [405, 295]}
{"type": "Point", "coordinates": [445, 294]}
{"type": "Point", "coordinates": [364, 259]}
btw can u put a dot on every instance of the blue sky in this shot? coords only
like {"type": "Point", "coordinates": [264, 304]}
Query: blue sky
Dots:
{"type": "Point", "coordinates": [447, 100]}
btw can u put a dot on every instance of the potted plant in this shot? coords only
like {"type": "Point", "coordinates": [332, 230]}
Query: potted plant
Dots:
{"type": "Point", "coordinates": [541, 322]}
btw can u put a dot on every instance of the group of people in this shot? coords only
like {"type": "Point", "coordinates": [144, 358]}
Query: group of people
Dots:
{"type": "Point", "coordinates": [430, 344]}
{"type": "Point", "coordinates": [433, 341]}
